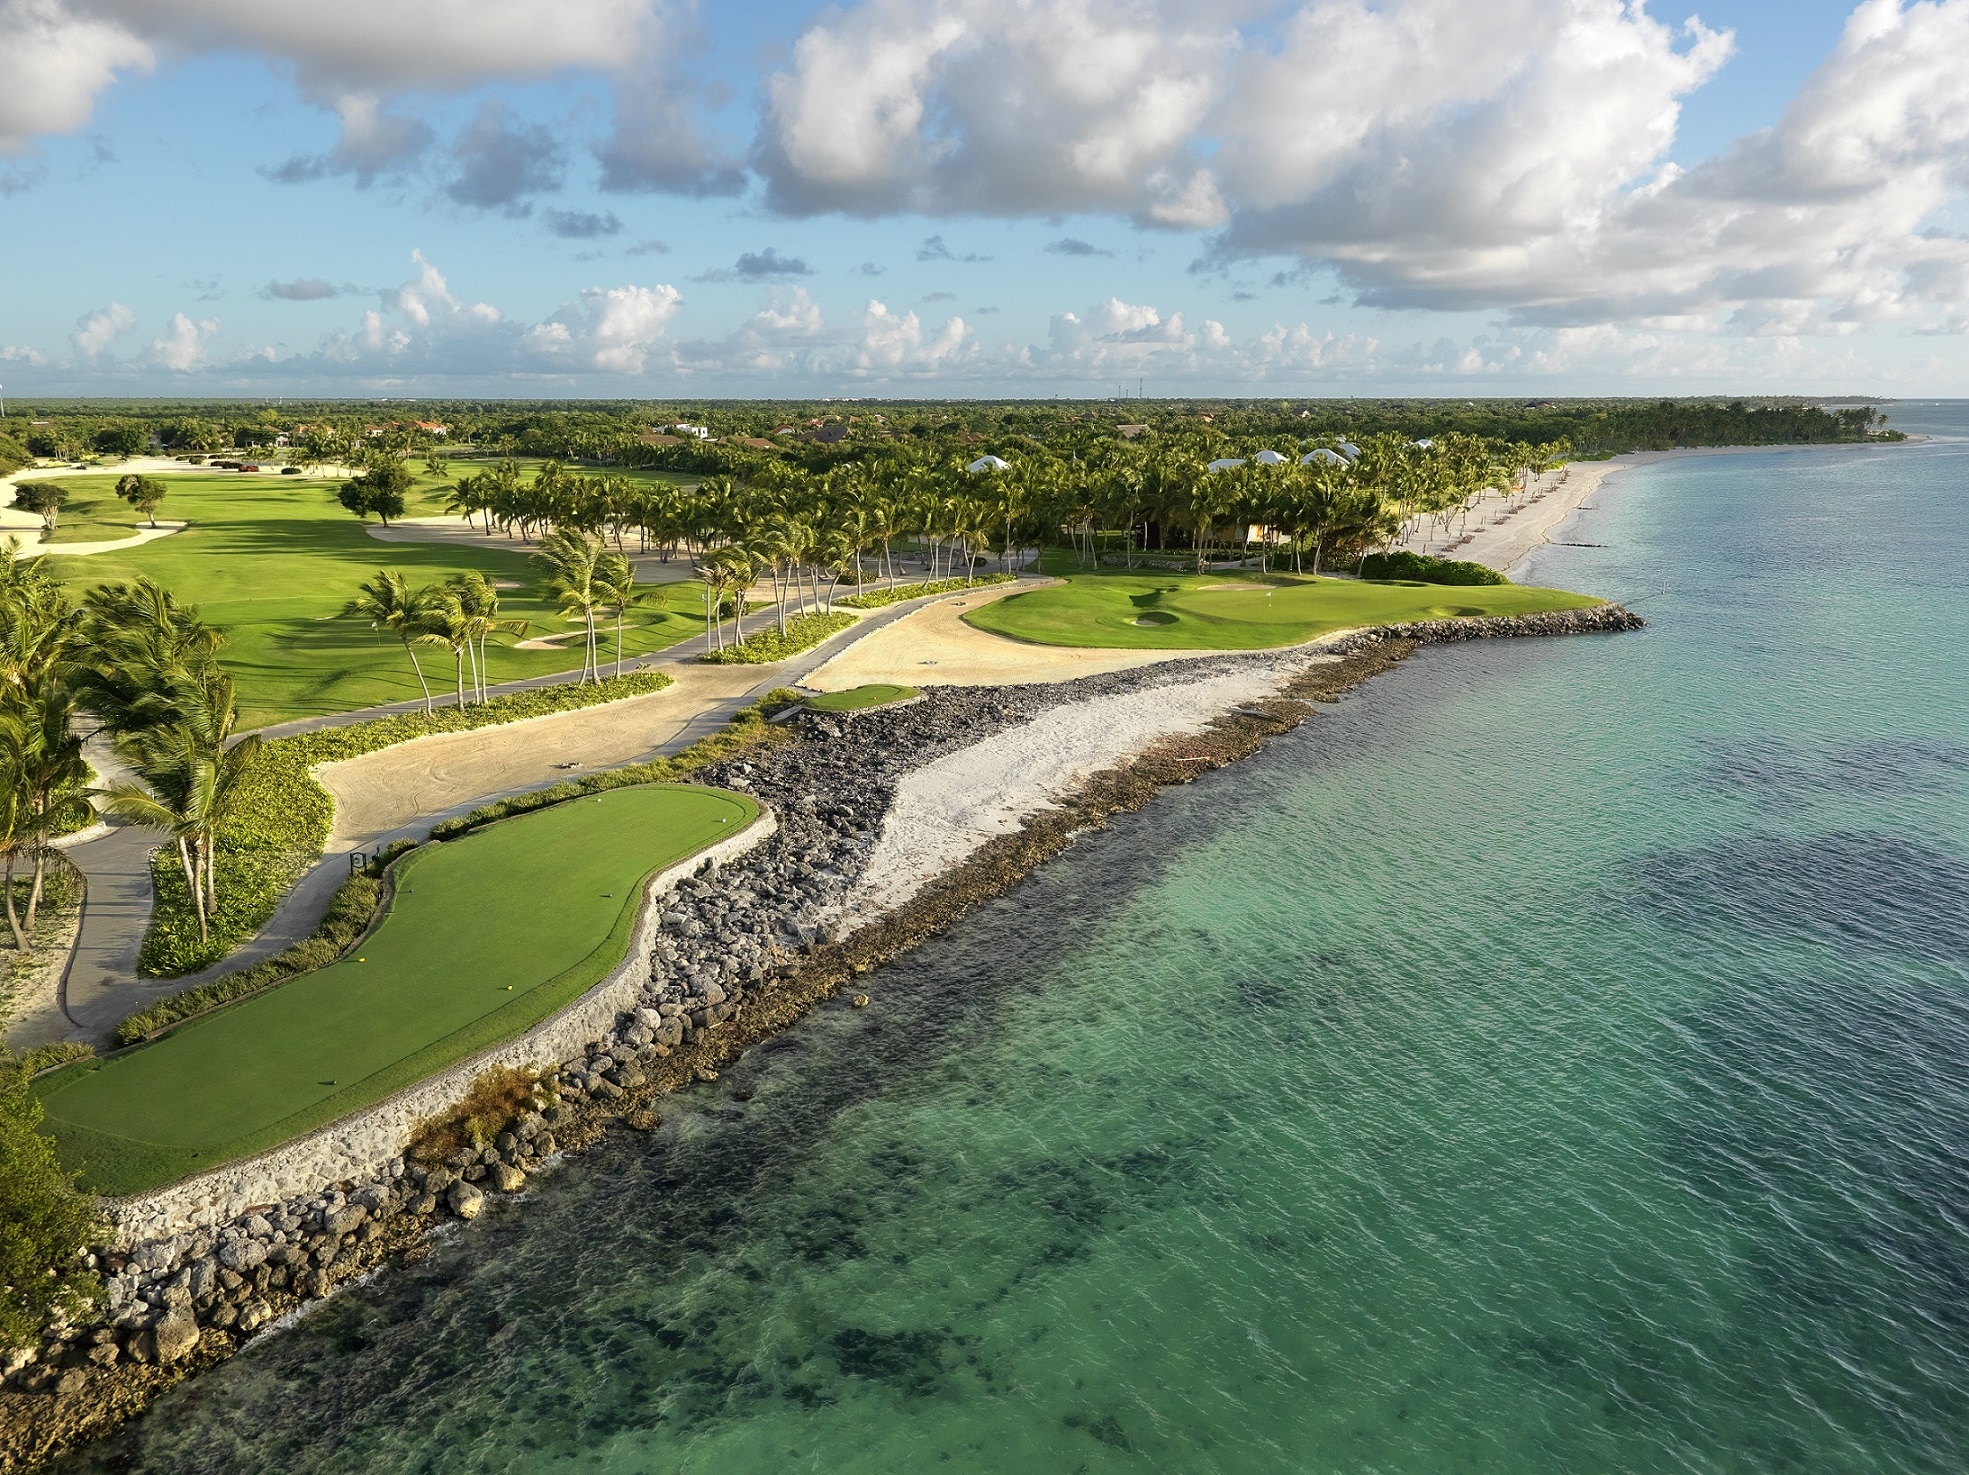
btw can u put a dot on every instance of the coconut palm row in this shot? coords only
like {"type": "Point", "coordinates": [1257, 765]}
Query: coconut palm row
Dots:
{"type": "Point", "coordinates": [145, 668]}
{"type": "Point", "coordinates": [782, 520]}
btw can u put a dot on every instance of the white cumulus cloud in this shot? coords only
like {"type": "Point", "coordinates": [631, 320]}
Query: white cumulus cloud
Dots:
{"type": "Point", "coordinates": [53, 62]}
{"type": "Point", "coordinates": [96, 331]}
{"type": "Point", "coordinates": [182, 348]}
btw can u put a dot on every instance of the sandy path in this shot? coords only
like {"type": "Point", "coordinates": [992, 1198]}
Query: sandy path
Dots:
{"type": "Point", "coordinates": [389, 790]}
{"type": "Point", "coordinates": [934, 647]}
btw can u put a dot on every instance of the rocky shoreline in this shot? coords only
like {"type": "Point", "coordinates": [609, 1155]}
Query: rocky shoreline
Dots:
{"type": "Point", "coordinates": [739, 952]}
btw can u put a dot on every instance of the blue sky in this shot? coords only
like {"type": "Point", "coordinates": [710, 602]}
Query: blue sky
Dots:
{"type": "Point", "coordinates": [982, 197]}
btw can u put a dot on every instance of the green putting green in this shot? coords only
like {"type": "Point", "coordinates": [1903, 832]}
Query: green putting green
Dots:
{"type": "Point", "coordinates": [1242, 611]}
{"type": "Point", "coordinates": [857, 698]}
{"type": "Point", "coordinates": [486, 936]}
{"type": "Point", "coordinates": [274, 559]}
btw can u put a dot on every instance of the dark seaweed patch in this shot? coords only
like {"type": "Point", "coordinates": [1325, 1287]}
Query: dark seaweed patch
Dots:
{"type": "Point", "coordinates": [1845, 890]}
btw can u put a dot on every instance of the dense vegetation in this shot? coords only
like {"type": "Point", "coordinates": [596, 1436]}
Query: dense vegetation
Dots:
{"type": "Point", "coordinates": [1420, 566]}
{"type": "Point", "coordinates": [633, 433]}
{"type": "Point", "coordinates": [45, 1223]}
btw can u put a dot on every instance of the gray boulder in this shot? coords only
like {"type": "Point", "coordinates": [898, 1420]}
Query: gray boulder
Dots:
{"type": "Point", "coordinates": [175, 1335]}
{"type": "Point", "coordinates": [465, 1200]}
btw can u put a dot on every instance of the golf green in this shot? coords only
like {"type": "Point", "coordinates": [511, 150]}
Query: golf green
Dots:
{"type": "Point", "coordinates": [272, 560]}
{"type": "Point", "coordinates": [1243, 611]}
{"type": "Point", "coordinates": [859, 698]}
{"type": "Point", "coordinates": [486, 935]}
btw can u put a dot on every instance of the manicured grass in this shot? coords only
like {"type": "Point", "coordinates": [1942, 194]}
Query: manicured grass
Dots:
{"type": "Point", "coordinates": [1240, 611]}
{"type": "Point", "coordinates": [486, 936]}
{"type": "Point", "coordinates": [273, 559]}
{"type": "Point", "coordinates": [856, 698]}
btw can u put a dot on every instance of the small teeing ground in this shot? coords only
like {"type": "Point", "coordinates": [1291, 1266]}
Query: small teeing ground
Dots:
{"type": "Point", "coordinates": [486, 936]}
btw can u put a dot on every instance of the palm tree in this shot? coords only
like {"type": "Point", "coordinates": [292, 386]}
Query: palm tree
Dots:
{"type": "Point", "coordinates": [41, 753]}
{"type": "Point", "coordinates": [478, 602]}
{"type": "Point", "coordinates": [615, 581]}
{"type": "Point", "coordinates": [388, 604]}
{"type": "Point", "coordinates": [194, 774]}
{"type": "Point", "coordinates": [446, 624]}
{"type": "Point", "coordinates": [571, 557]}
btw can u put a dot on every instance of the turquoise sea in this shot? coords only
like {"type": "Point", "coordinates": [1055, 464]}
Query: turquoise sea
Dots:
{"type": "Point", "coordinates": [1555, 1058]}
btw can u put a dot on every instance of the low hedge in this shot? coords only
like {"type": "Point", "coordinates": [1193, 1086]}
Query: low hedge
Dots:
{"type": "Point", "coordinates": [1427, 570]}
{"type": "Point", "coordinates": [877, 598]}
{"type": "Point", "coordinates": [803, 632]}
{"type": "Point", "coordinates": [285, 817]}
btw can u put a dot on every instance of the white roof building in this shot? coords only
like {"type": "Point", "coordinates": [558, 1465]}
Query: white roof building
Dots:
{"type": "Point", "coordinates": [989, 463]}
{"type": "Point", "coordinates": [1225, 463]}
{"type": "Point", "coordinates": [1269, 458]}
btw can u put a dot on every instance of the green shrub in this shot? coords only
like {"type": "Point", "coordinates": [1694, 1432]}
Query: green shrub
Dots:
{"type": "Point", "coordinates": [877, 598]}
{"type": "Point", "coordinates": [55, 1053]}
{"type": "Point", "coordinates": [1427, 570]}
{"type": "Point", "coordinates": [284, 817]}
{"type": "Point", "coordinates": [803, 632]}
{"type": "Point", "coordinates": [45, 1223]}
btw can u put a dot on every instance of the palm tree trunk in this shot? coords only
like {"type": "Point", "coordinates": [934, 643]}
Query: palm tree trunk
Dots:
{"type": "Point", "coordinates": [40, 871]}
{"type": "Point", "coordinates": [458, 669]}
{"type": "Point", "coordinates": [415, 666]}
{"type": "Point", "coordinates": [209, 847]}
{"type": "Point", "coordinates": [618, 642]}
{"type": "Point", "coordinates": [196, 886]}
{"type": "Point", "coordinates": [13, 921]}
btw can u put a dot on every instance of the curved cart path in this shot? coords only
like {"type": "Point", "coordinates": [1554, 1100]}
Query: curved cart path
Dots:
{"type": "Point", "coordinates": [401, 792]}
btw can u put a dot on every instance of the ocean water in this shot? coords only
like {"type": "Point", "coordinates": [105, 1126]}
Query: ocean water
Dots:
{"type": "Point", "coordinates": [1555, 1058]}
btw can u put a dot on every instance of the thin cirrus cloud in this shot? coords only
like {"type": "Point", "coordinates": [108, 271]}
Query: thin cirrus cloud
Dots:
{"type": "Point", "coordinates": [583, 225]}
{"type": "Point", "coordinates": [301, 289]}
{"type": "Point", "coordinates": [760, 266]}
{"type": "Point", "coordinates": [934, 248]}
{"type": "Point", "coordinates": [1074, 246]}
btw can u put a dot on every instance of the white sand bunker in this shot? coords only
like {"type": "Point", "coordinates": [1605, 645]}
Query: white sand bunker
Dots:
{"type": "Point", "coordinates": [948, 808]}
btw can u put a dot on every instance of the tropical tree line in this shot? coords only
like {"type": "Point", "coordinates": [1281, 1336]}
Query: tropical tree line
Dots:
{"type": "Point", "coordinates": [807, 531]}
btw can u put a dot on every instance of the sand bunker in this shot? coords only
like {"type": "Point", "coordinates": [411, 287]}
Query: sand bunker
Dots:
{"type": "Point", "coordinates": [384, 791]}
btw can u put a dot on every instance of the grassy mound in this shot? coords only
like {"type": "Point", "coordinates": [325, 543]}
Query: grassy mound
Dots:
{"type": "Point", "coordinates": [485, 936]}
{"type": "Point", "coordinates": [858, 698]}
{"type": "Point", "coordinates": [1135, 610]}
